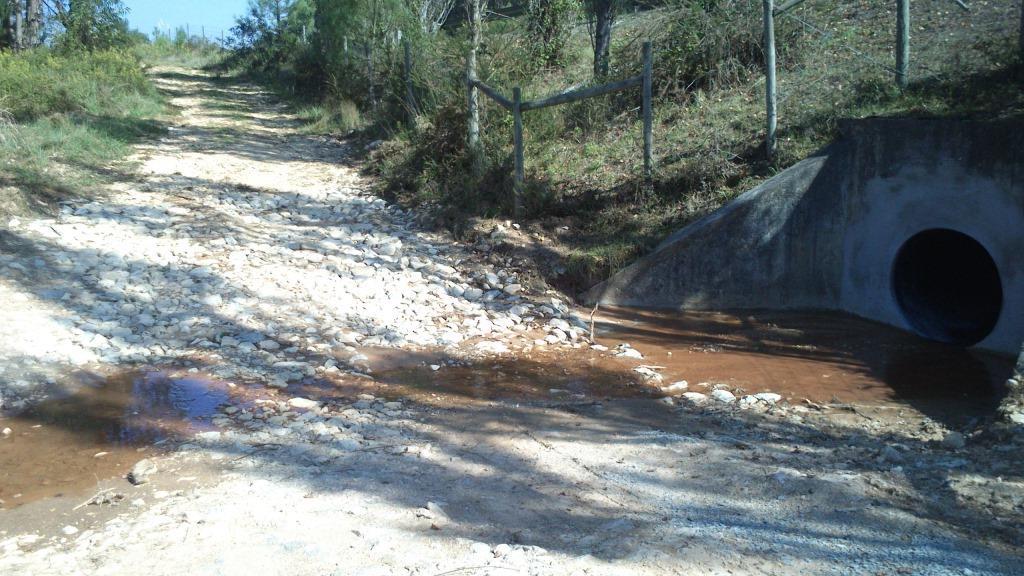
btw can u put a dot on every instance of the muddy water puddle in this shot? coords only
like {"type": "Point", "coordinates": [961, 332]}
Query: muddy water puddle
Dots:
{"type": "Point", "coordinates": [821, 357]}
{"type": "Point", "coordinates": [538, 374]}
{"type": "Point", "coordinates": [67, 445]}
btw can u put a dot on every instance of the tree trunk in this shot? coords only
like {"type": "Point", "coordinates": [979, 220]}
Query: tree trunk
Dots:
{"type": "Point", "coordinates": [19, 25]}
{"type": "Point", "coordinates": [474, 7]}
{"type": "Point", "coordinates": [34, 29]}
{"type": "Point", "coordinates": [7, 34]}
{"type": "Point", "coordinates": [604, 15]}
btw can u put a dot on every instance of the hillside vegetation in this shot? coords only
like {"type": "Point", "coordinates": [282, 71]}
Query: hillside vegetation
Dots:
{"type": "Point", "coordinates": [584, 201]}
{"type": "Point", "coordinates": [73, 103]}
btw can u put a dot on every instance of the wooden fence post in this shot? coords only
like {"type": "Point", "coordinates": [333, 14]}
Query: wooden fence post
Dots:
{"type": "Point", "coordinates": [648, 119]}
{"type": "Point", "coordinates": [410, 99]}
{"type": "Point", "coordinates": [902, 42]}
{"type": "Point", "coordinates": [769, 76]}
{"type": "Point", "coordinates": [517, 140]}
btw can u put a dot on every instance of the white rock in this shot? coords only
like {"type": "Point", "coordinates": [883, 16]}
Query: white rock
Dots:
{"type": "Point", "coordinates": [723, 396]}
{"type": "Point", "coordinates": [679, 386]}
{"type": "Point", "coordinates": [768, 397]}
{"type": "Point", "coordinates": [69, 530]}
{"type": "Point", "coordinates": [695, 397]}
{"type": "Point", "coordinates": [629, 353]}
{"type": "Point", "coordinates": [269, 345]}
{"type": "Point", "coordinates": [303, 403]}
{"type": "Point", "coordinates": [559, 324]}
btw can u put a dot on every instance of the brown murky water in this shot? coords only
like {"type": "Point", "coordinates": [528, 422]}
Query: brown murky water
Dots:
{"type": "Point", "coordinates": [823, 357]}
{"type": "Point", "coordinates": [68, 444]}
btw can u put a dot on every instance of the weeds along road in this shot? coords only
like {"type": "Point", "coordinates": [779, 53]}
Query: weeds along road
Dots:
{"type": "Point", "coordinates": [245, 252]}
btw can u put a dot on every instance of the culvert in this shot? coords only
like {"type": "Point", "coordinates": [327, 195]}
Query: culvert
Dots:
{"type": "Point", "coordinates": [947, 286]}
{"type": "Point", "coordinates": [824, 233]}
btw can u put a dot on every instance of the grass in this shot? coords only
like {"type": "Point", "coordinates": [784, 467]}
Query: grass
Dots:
{"type": "Point", "coordinates": [70, 118]}
{"type": "Point", "coordinates": [583, 161]}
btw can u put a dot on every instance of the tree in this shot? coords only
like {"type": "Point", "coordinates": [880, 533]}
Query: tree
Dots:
{"type": "Point", "coordinates": [431, 14]}
{"type": "Point", "coordinates": [474, 9]}
{"type": "Point", "coordinates": [603, 13]}
{"type": "Point", "coordinates": [92, 24]}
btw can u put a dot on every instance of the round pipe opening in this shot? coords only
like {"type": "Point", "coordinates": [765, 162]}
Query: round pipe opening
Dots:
{"type": "Point", "coordinates": [948, 286]}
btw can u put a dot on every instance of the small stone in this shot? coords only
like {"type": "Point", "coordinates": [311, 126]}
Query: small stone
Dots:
{"type": "Point", "coordinates": [723, 396]}
{"type": "Point", "coordinates": [891, 454]}
{"type": "Point", "coordinates": [69, 530]}
{"type": "Point", "coordinates": [269, 345]}
{"type": "Point", "coordinates": [954, 440]}
{"type": "Point", "coordinates": [768, 397]}
{"type": "Point", "coordinates": [513, 289]}
{"type": "Point", "coordinates": [7, 432]}
{"type": "Point", "coordinates": [142, 471]}
{"type": "Point", "coordinates": [436, 515]}
{"type": "Point", "coordinates": [303, 403]}
{"type": "Point", "coordinates": [502, 550]}
{"type": "Point", "coordinates": [695, 397]}
{"type": "Point", "coordinates": [680, 386]}
{"type": "Point", "coordinates": [625, 351]}
{"type": "Point", "coordinates": [648, 373]}
{"type": "Point", "coordinates": [559, 324]}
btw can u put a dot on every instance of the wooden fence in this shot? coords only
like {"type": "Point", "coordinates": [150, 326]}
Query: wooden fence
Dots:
{"type": "Point", "coordinates": [517, 106]}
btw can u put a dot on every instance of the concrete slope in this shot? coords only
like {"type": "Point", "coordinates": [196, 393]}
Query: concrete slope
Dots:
{"type": "Point", "coordinates": [914, 223]}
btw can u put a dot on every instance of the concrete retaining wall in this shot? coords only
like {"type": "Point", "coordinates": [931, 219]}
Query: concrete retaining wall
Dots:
{"type": "Point", "coordinates": [824, 234]}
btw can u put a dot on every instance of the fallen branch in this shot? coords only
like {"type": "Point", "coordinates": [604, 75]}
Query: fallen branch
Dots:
{"type": "Point", "coordinates": [92, 499]}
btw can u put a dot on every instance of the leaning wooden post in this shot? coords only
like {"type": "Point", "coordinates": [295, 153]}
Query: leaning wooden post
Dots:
{"type": "Point", "coordinates": [902, 42]}
{"type": "Point", "coordinates": [648, 120]}
{"type": "Point", "coordinates": [410, 100]}
{"type": "Point", "coordinates": [517, 141]}
{"type": "Point", "coordinates": [769, 76]}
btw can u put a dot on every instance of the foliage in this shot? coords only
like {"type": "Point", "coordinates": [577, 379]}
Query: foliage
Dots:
{"type": "Point", "coordinates": [179, 48]}
{"type": "Point", "coordinates": [271, 31]}
{"type": "Point", "coordinates": [76, 112]}
{"type": "Point", "coordinates": [92, 24]}
{"type": "Point", "coordinates": [583, 160]}
{"type": "Point", "coordinates": [548, 25]}
{"type": "Point", "coordinates": [41, 82]}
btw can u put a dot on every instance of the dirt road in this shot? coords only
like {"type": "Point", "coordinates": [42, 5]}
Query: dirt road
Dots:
{"type": "Point", "coordinates": [249, 258]}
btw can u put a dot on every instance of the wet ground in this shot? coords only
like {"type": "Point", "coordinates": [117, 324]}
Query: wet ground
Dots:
{"type": "Point", "coordinates": [67, 445]}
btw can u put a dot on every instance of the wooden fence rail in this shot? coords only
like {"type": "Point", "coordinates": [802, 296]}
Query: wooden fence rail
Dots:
{"type": "Point", "coordinates": [517, 106]}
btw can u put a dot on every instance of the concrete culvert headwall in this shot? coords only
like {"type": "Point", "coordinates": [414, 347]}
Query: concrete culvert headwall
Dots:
{"type": "Point", "coordinates": [915, 223]}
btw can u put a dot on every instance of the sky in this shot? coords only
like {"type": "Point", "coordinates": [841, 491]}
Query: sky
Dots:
{"type": "Point", "coordinates": [215, 15]}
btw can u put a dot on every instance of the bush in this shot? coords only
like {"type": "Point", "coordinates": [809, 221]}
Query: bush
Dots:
{"type": "Point", "coordinates": [548, 23]}
{"type": "Point", "coordinates": [39, 83]}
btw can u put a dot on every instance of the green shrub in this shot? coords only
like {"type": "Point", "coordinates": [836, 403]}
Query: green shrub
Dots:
{"type": "Point", "coordinates": [548, 25]}
{"type": "Point", "coordinates": [39, 83]}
